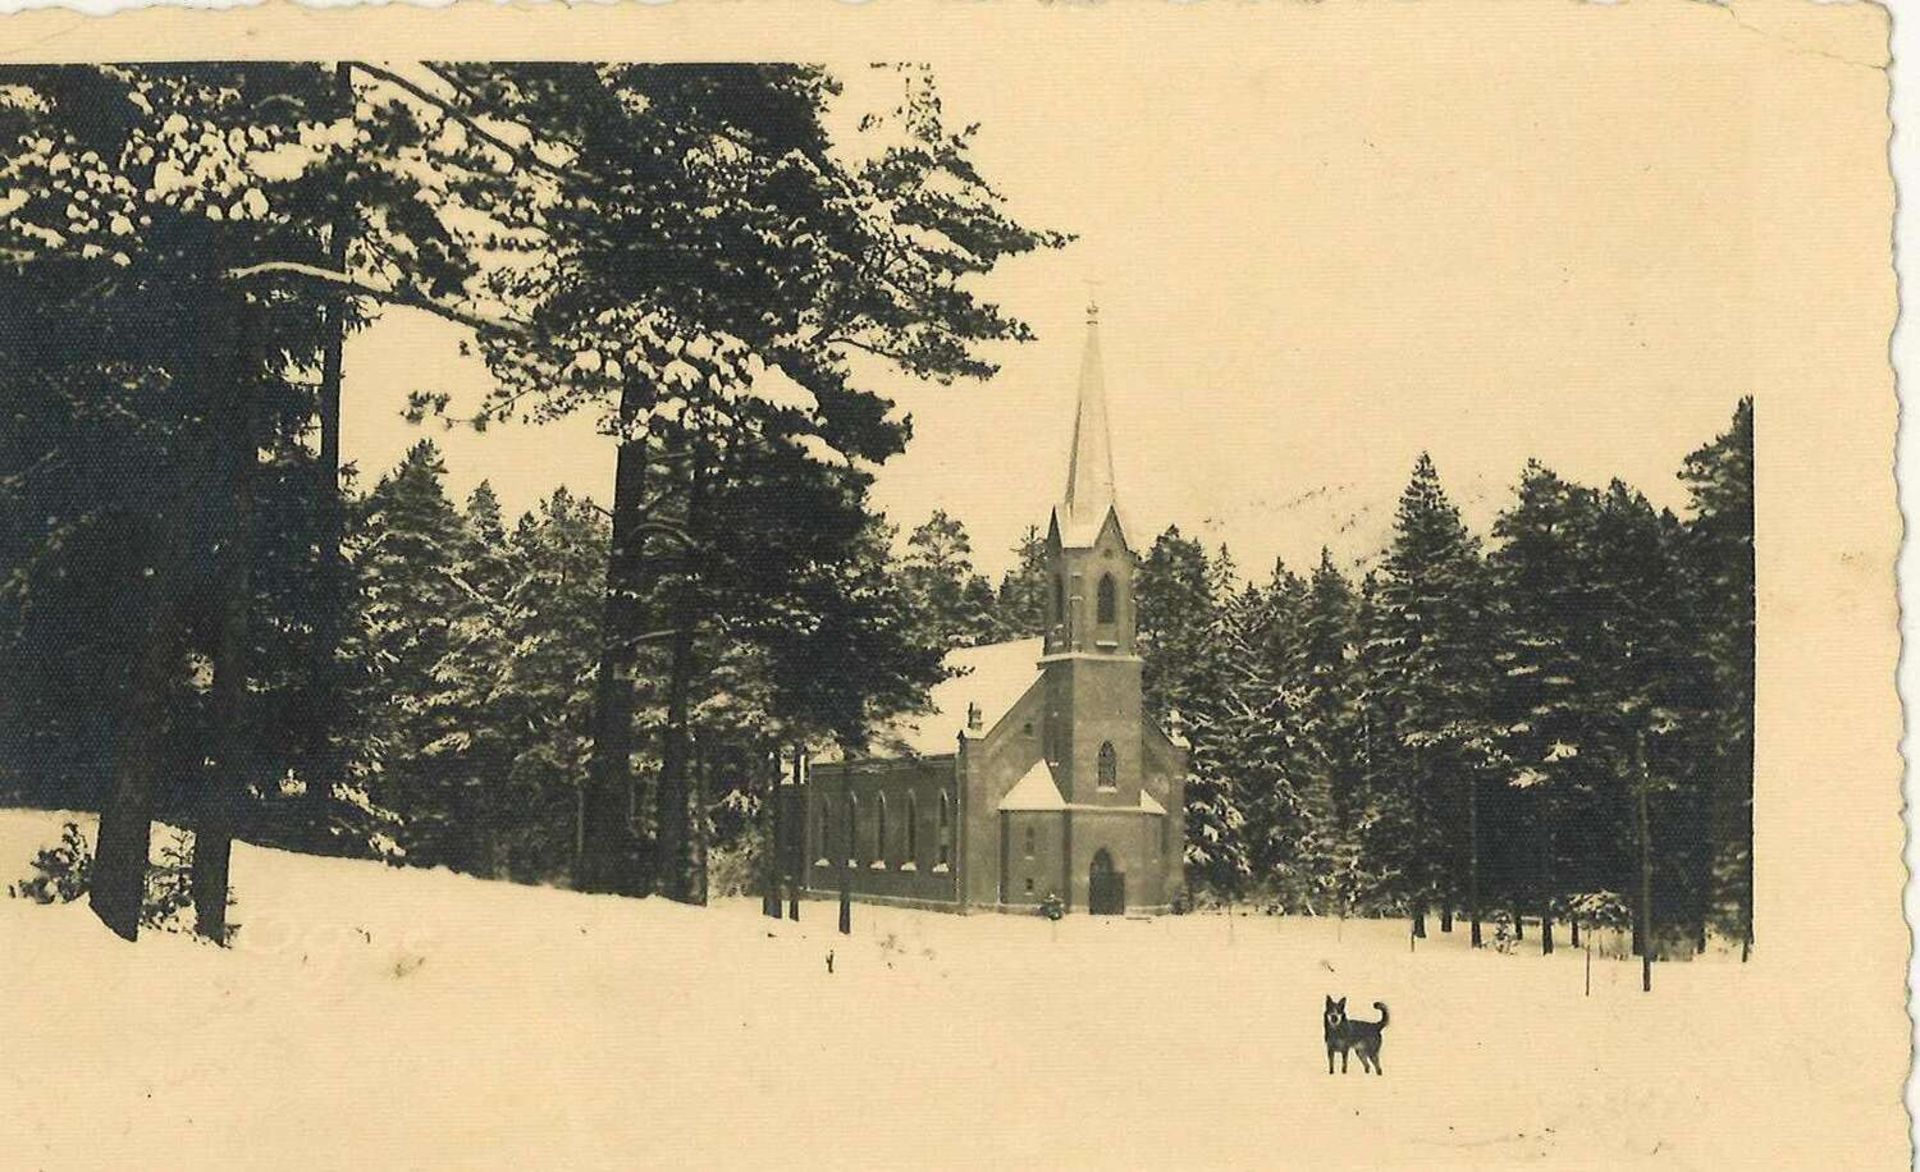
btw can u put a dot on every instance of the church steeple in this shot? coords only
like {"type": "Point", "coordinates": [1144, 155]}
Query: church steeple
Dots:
{"type": "Point", "coordinates": [1089, 560]}
{"type": "Point", "coordinates": [1090, 483]}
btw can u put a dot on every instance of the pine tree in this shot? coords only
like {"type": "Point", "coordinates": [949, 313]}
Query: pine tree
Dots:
{"type": "Point", "coordinates": [1643, 679]}
{"type": "Point", "coordinates": [1719, 556]}
{"type": "Point", "coordinates": [1332, 734]}
{"type": "Point", "coordinates": [719, 261]}
{"type": "Point", "coordinates": [1176, 602]}
{"type": "Point", "coordinates": [1201, 672]}
{"type": "Point", "coordinates": [547, 702]}
{"type": "Point", "coordinates": [1544, 649]}
{"type": "Point", "coordinates": [1020, 605]}
{"type": "Point", "coordinates": [410, 550]}
{"type": "Point", "coordinates": [1429, 626]}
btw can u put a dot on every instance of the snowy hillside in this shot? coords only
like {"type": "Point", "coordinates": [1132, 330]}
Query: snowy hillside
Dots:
{"type": "Point", "coordinates": [378, 1018]}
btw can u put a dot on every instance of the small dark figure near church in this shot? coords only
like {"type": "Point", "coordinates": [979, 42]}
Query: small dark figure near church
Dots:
{"type": "Point", "coordinates": [1361, 1037]}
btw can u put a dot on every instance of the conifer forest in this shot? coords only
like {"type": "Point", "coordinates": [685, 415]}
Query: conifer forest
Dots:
{"type": "Point", "coordinates": [210, 619]}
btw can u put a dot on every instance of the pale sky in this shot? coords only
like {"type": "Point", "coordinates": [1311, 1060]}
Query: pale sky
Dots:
{"type": "Point", "coordinates": [1309, 271]}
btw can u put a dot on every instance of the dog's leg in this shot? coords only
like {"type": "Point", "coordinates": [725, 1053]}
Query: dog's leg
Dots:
{"type": "Point", "coordinates": [1329, 1059]}
{"type": "Point", "coordinates": [1343, 1062]}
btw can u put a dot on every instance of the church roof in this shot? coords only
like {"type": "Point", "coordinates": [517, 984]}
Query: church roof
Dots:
{"type": "Point", "coordinates": [993, 676]}
{"type": "Point", "coordinates": [1034, 791]}
{"type": "Point", "coordinates": [1149, 804]}
{"type": "Point", "coordinates": [1090, 492]}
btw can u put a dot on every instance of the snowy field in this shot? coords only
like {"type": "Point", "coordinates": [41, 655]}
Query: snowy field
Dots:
{"type": "Point", "coordinates": [378, 1018]}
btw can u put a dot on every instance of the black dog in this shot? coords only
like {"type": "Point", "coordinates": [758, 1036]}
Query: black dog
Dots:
{"type": "Point", "coordinates": [1362, 1037]}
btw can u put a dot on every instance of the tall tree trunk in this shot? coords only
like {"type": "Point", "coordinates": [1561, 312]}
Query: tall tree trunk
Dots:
{"type": "Point", "coordinates": [1473, 858]}
{"type": "Point", "coordinates": [1422, 864]}
{"type": "Point", "coordinates": [1543, 868]}
{"type": "Point", "coordinates": [605, 833]}
{"type": "Point", "coordinates": [702, 830]}
{"type": "Point", "coordinates": [774, 828]}
{"type": "Point", "coordinates": [236, 455]}
{"type": "Point", "coordinates": [1643, 922]}
{"type": "Point", "coordinates": [329, 760]}
{"type": "Point", "coordinates": [118, 884]}
{"type": "Point", "coordinates": [799, 833]}
{"type": "Point", "coordinates": [679, 870]}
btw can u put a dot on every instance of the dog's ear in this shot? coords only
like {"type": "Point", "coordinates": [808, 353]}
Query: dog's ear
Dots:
{"type": "Point", "coordinates": [1329, 1001]}
{"type": "Point", "coordinates": [1341, 1005]}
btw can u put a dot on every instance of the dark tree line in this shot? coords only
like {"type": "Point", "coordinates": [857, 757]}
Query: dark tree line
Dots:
{"type": "Point", "coordinates": [200, 618]}
{"type": "Point", "coordinates": [1554, 726]}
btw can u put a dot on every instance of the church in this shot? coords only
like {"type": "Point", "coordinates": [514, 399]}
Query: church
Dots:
{"type": "Point", "coordinates": [1035, 772]}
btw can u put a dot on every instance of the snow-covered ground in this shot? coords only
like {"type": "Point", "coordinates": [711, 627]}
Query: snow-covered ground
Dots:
{"type": "Point", "coordinates": [377, 1018]}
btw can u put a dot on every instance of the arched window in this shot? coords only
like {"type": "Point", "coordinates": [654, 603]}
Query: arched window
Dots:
{"type": "Point", "coordinates": [1109, 766]}
{"type": "Point", "coordinates": [1105, 604]}
{"type": "Point", "coordinates": [1059, 599]}
{"type": "Point", "coordinates": [913, 829]}
{"type": "Point", "coordinates": [946, 831]}
{"type": "Point", "coordinates": [852, 838]}
{"type": "Point", "coordinates": [880, 829]}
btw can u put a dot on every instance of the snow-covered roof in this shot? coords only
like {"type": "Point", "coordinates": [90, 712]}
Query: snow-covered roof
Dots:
{"type": "Point", "coordinates": [993, 676]}
{"type": "Point", "coordinates": [1148, 804]}
{"type": "Point", "coordinates": [1034, 791]}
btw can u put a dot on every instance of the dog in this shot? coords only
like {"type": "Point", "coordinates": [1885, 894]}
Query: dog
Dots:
{"type": "Point", "coordinates": [1361, 1037]}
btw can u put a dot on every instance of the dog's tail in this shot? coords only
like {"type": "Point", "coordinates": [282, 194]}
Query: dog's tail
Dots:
{"type": "Point", "coordinates": [1382, 1007]}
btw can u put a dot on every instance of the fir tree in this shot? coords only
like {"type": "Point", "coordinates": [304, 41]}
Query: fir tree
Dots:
{"type": "Point", "coordinates": [1719, 557]}
{"type": "Point", "coordinates": [1429, 625]}
{"type": "Point", "coordinates": [411, 547]}
{"type": "Point", "coordinates": [938, 572]}
{"type": "Point", "coordinates": [1544, 649]}
{"type": "Point", "coordinates": [1020, 605]}
{"type": "Point", "coordinates": [1331, 737]}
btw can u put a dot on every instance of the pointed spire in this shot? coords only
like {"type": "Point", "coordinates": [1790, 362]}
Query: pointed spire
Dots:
{"type": "Point", "coordinates": [1090, 481]}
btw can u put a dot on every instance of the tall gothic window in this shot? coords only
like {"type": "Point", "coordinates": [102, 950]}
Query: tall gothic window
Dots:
{"type": "Point", "coordinates": [1059, 599]}
{"type": "Point", "coordinates": [1109, 766]}
{"type": "Point", "coordinates": [1106, 599]}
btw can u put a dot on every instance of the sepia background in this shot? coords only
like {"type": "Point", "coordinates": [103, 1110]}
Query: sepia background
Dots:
{"type": "Point", "coordinates": [1325, 238]}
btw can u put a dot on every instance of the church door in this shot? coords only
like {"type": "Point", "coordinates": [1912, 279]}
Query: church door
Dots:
{"type": "Point", "coordinates": [1106, 887]}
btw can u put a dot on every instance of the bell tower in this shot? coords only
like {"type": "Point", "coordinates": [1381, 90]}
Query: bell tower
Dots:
{"type": "Point", "coordinates": [1092, 670]}
{"type": "Point", "coordinates": [1090, 565]}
